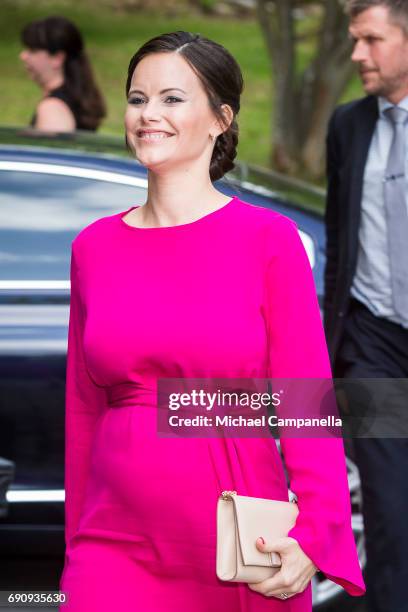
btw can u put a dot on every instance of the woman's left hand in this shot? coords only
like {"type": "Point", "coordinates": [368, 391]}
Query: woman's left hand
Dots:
{"type": "Point", "coordinates": [294, 575]}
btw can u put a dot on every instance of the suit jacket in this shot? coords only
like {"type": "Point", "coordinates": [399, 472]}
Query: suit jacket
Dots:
{"type": "Point", "coordinates": [348, 141]}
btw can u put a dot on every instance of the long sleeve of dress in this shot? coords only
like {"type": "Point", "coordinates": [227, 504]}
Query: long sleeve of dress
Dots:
{"type": "Point", "coordinates": [84, 402]}
{"type": "Point", "coordinates": [316, 466]}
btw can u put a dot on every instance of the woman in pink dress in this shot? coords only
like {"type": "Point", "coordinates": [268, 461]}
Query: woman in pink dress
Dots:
{"type": "Point", "coordinates": [190, 285]}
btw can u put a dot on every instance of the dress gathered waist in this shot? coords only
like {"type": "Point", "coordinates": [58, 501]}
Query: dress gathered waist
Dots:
{"type": "Point", "coordinates": [128, 394]}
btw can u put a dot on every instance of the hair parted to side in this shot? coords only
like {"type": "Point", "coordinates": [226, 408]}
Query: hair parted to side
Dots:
{"type": "Point", "coordinates": [398, 10]}
{"type": "Point", "coordinates": [222, 80]}
{"type": "Point", "coordinates": [55, 34]}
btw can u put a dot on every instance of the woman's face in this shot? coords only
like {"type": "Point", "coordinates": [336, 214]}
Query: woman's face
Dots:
{"type": "Point", "coordinates": [168, 119]}
{"type": "Point", "coordinates": [40, 64]}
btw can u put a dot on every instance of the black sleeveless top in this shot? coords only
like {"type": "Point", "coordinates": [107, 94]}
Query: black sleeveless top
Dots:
{"type": "Point", "coordinates": [63, 94]}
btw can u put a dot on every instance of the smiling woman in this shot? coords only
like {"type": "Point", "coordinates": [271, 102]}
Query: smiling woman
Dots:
{"type": "Point", "coordinates": [182, 114]}
{"type": "Point", "coordinates": [175, 125]}
{"type": "Point", "coordinates": [192, 284]}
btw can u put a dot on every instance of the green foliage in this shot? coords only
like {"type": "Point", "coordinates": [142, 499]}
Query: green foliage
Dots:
{"type": "Point", "coordinates": [207, 5]}
{"type": "Point", "coordinates": [112, 36]}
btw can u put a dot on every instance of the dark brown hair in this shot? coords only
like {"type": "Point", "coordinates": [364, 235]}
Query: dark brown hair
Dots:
{"type": "Point", "coordinates": [222, 80]}
{"type": "Point", "coordinates": [398, 10]}
{"type": "Point", "coordinates": [55, 34]}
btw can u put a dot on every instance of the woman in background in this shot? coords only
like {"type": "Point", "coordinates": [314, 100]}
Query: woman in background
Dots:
{"type": "Point", "coordinates": [55, 59]}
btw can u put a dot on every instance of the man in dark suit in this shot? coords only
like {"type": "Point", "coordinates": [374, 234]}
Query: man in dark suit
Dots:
{"type": "Point", "coordinates": [366, 276]}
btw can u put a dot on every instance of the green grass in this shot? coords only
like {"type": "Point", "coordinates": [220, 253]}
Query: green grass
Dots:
{"type": "Point", "coordinates": [112, 38]}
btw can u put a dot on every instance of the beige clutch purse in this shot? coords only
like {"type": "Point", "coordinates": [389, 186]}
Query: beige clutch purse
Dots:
{"type": "Point", "coordinates": [240, 522]}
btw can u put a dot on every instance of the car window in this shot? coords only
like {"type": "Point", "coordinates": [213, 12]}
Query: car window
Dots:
{"type": "Point", "coordinates": [40, 215]}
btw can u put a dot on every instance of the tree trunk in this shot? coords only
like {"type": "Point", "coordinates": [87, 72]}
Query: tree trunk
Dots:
{"type": "Point", "coordinates": [303, 102]}
{"type": "Point", "coordinates": [277, 25]}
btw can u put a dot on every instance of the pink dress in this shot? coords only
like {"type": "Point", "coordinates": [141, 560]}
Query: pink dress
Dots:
{"type": "Point", "coordinates": [229, 295]}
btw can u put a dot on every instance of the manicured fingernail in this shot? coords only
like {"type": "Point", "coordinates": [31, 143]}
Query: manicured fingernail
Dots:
{"type": "Point", "coordinates": [262, 540]}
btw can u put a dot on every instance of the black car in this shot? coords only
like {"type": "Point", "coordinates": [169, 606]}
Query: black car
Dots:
{"type": "Point", "coordinates": [50, 188]}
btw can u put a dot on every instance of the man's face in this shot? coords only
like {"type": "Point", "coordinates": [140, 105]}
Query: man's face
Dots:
{"type": "Point", "coordinates": [381, 52]}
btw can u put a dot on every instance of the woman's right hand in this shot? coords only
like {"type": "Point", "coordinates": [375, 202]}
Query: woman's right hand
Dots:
{"type": "Point", "coordinates": [295, 574]}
